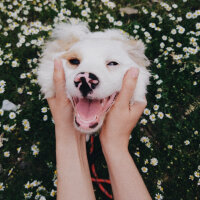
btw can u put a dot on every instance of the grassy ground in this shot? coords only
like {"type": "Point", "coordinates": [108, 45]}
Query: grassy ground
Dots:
{"type": "Point", "coordinates": [164, 145]}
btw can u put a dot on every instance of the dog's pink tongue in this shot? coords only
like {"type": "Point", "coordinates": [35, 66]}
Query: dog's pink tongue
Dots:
{"type": "Point", "coordinates": [88, 109]}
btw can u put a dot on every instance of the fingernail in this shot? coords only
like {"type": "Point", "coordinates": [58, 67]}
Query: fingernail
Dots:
{"type": "Point", "coordinates": [134, 72]}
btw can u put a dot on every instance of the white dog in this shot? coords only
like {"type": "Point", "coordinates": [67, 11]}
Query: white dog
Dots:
{"type": "Point", "coordinates": [94, 65]}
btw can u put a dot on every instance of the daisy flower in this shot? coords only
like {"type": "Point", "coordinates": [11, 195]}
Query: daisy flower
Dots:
{"type": "Point", "coordinates": [147, 111]}
{"type": "Point", "coordinates": [1, 112]}
{"type": "Point", "coordinates": [143, 121]}
{"type": "Point", "coordinates": [144, 139]}
{"type": "Point", "coordinates": [2, 187]}
{"type": "Point", "coordinates": [19, 149]}
{"type": "Point", "coordinates": [53, 193]}
{"type": "Point", "coordinates": [160, 115]}
{"type": "Point", "coordinates": [7, 154]}
{"type": "Point", "coordinates": [197, 174]}
{"type": "Point", "coordinates": [187, 142]}
{"type": "Point", "coordinates": [170, 146]}
{"type": "Point", "coordinates": [152, 117]}
{"type": "Point", "coordinates": [154, 161]}
{"type": "Point", "coordinates": [12, 115]}
{"type": "Point", "coordinates": [44, 109]}
{"type": "Point", "coordinates": [156, 107]}
{"type": "Point", "coordinates": [191, 177]}
{"type": "Point", "coordinates": [158, 196]}
{"type": "Point", "coordinates": [144, 169]}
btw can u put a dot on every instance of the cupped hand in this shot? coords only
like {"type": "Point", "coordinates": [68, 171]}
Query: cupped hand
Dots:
{"type": "Point", "coordinates": [60, 106]}
{"type": "Point", "coordinates": [123, 116]}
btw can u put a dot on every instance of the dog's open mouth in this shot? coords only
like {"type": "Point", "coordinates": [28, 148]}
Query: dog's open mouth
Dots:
{"type": "Point", "coordinates": [89, 112]}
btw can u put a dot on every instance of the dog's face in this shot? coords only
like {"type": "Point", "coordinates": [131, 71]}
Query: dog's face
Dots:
{"type": "Point", "coordinates": [94, 67]}
{"type": "Point", "coordinates": [94, 70]}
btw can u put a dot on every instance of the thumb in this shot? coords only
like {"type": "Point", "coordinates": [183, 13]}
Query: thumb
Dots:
{"type": "Point", "coordinates": [59, 79]}
{"type": "Point", "coordinates": [128, 87]}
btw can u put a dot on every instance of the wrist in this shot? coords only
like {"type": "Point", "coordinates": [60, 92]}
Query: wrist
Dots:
{"type": "Point", "coordinates": [68, 135]}
{"type": "Point", "coordinates": [115, 155]}
{"type": "Point", "coordinates": [73, 146]}
{"type": "Point", "coordinates": [114, 149]}
{"type": "Point", "coordinates": [114, 144]}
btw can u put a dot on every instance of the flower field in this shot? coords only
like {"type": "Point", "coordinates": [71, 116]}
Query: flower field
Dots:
{"type": "Point", "coordinates": [165, 145]}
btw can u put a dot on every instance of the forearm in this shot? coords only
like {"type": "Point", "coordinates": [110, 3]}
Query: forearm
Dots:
{"type": "Point", "coordinates": [126, 181]}
{"type": "Point", "coordinates": [74, 180]}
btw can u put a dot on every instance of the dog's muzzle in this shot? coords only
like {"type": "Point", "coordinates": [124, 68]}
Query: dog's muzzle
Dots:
{"type": "Point", "coordinates": [89, 111]}
{"type": "Point", "coordinates": [86, 82]}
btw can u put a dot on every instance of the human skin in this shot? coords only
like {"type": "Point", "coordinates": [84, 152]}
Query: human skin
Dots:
{"type": "Point", "coordinates": [127, 183]}
{"type": "Point", "coordinates": [74, 180]}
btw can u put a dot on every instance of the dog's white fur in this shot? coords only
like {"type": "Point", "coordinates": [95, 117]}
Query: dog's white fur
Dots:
{"type": "Point", "coordinates": [96, 49]}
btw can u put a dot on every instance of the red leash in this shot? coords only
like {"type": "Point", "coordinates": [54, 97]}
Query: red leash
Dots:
{"type": "Point", "coordinates": [99, 184]}
{"type": "Point", "coordinates": [96, 179]}
{"type": "Point", "coordinates": [91, 144]}
{"type": "Point", "coordinates": [101, 180]}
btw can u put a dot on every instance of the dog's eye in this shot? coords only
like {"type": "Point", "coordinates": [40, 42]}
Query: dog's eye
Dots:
{"type": "Point", "coordinates": [112, 63]}
{"type": "Point", "coordinates": [74, 61]}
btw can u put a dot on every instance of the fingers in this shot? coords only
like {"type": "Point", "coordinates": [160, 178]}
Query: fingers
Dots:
{"type": "Point", "coordinates": [51, 102]}
{"type": "Point", "coordinates": [128, 87]}
{"type": "Point", "coordinates": [137, 109]}
{"type": "Point", "coordinates": [59, 79]}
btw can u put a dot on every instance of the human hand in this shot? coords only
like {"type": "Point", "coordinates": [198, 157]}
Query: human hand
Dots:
{"type": "Point", "coordinates": [122, 117]}
{"type": "Point", "coordinates": [71, 156]}
{"type": "Point", "coordinates": [60, 105]}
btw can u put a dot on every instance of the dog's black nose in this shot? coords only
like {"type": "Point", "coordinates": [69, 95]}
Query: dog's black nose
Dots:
{"type": "Point", "coordinates": [86, 82]}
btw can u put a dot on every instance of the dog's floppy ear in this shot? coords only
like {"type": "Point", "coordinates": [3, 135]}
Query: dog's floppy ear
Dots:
{"type": "Point", "coordinates": [64, 35]}
{"type": "Point", "coordinates": [136, 50]}
{"type": "Point", "coordinates": [68, 31]}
